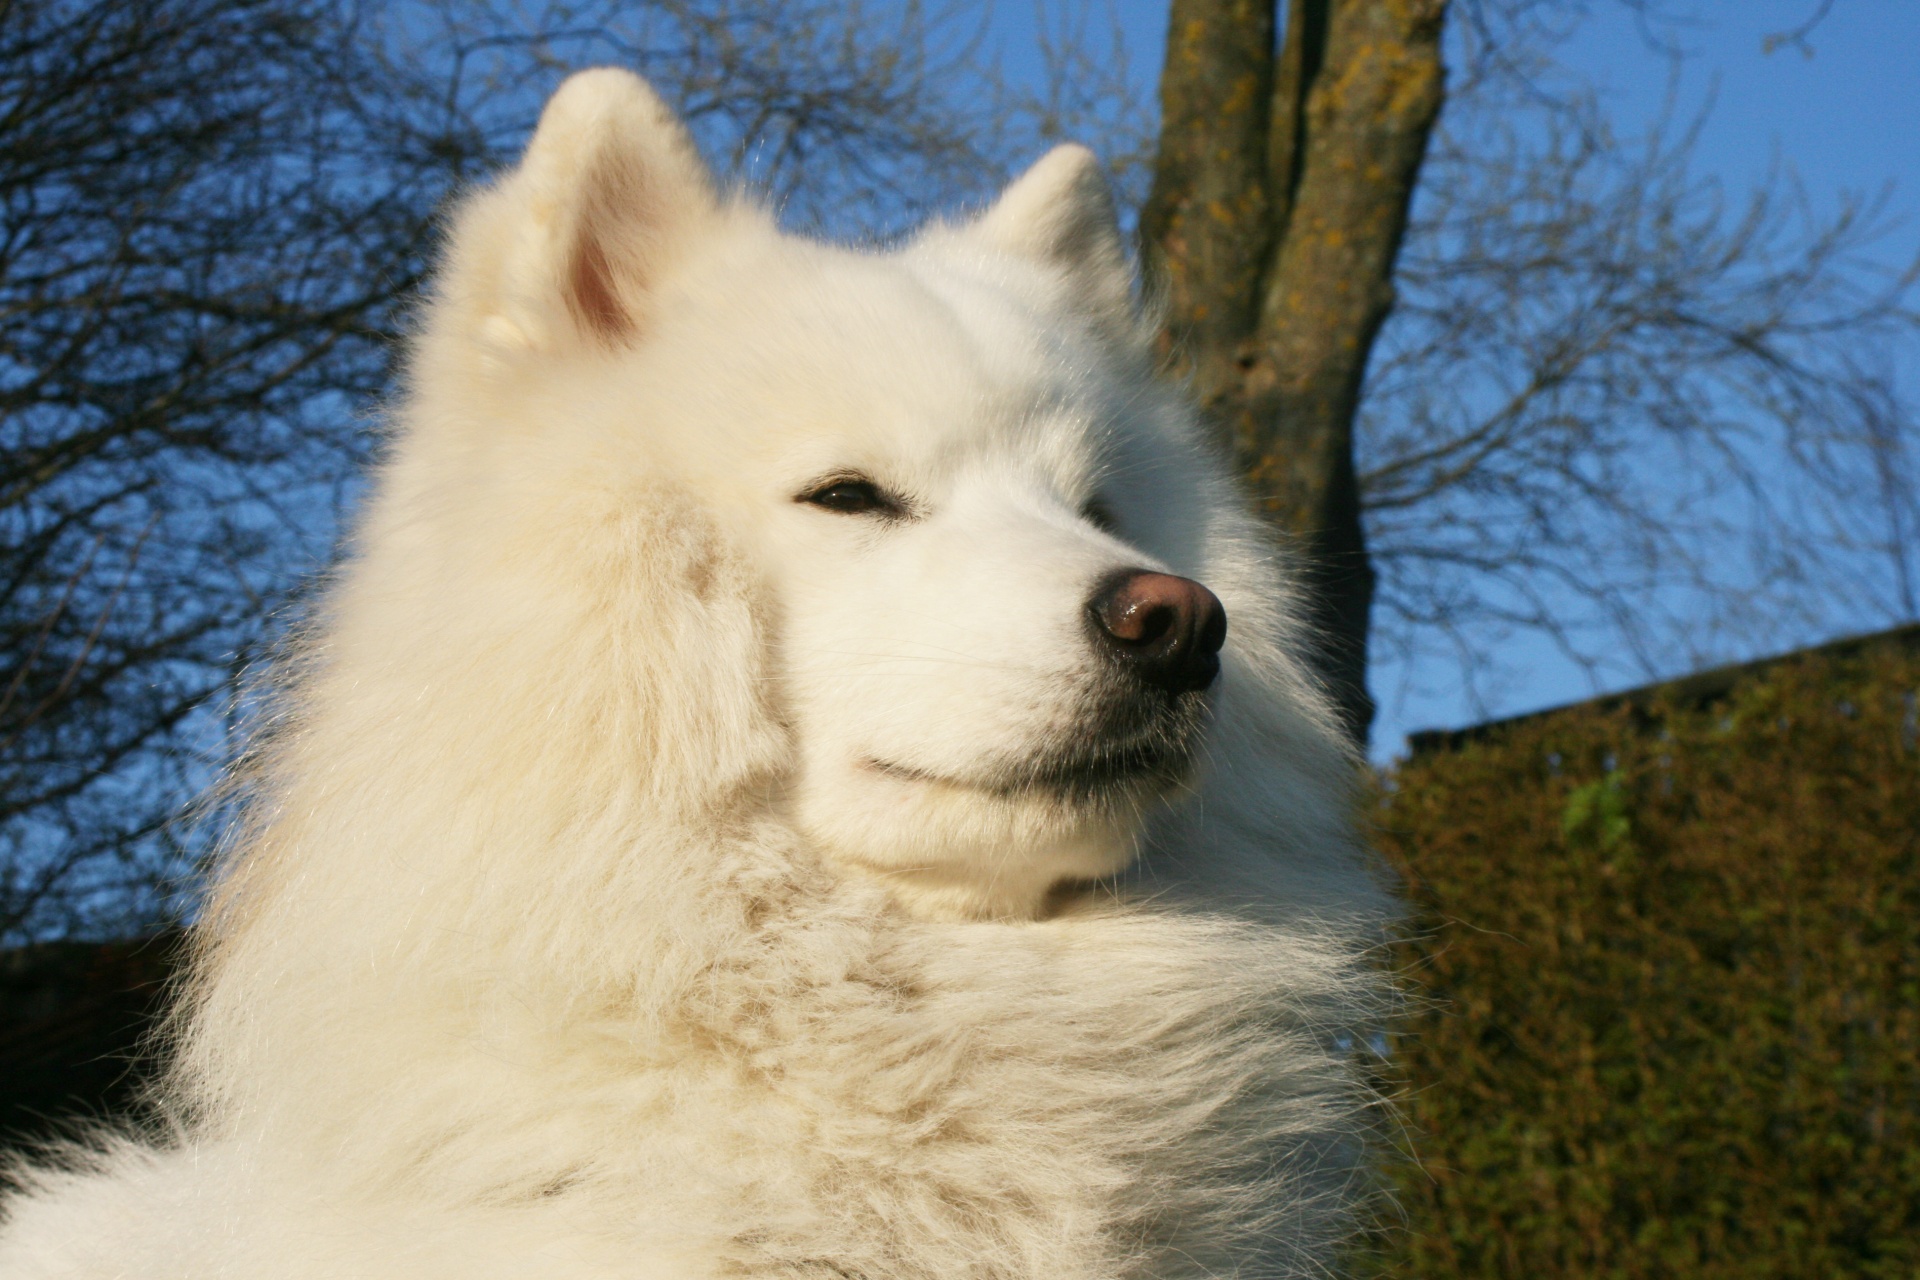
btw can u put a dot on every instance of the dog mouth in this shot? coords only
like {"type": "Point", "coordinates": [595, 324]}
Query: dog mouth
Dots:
{"type": "Point", "coordinates": [1066, 776]}
{"type": "Point", "coordinates": [1157, 758]}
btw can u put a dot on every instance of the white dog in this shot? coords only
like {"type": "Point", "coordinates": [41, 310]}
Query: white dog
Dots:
{"type": "Point", "coordinates": [766, 794]}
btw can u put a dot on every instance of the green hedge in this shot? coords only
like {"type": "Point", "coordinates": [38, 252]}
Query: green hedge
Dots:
{"type": "Point", "coordinates": [1670, 958]}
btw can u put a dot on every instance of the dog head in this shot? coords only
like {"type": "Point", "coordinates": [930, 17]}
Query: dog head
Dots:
{"type": "Point", "coordinates": [995, 580]}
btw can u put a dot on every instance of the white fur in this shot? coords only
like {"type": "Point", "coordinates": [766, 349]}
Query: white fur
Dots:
{"type": "Point", "coordinates": [574, 930]}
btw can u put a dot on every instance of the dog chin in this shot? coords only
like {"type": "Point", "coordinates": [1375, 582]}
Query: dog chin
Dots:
{"type": "Point", "coordinates": [998, 879]}
{"type": "Point", "coordinates": [998, 839]}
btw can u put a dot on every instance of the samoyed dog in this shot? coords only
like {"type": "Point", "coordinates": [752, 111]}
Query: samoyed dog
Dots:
{"type": "Point", "coordinates": [804, 772]}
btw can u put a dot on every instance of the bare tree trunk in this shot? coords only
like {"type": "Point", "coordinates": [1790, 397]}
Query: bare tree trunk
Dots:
{"type": "Point", "coordinates": [1279, 200]}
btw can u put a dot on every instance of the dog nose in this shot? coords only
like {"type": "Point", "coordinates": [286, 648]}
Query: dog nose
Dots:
{"type": "Point", "coordinates": [1168, 630]}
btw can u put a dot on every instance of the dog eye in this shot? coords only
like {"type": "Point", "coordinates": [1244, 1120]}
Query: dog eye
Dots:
{"type": "Point", "coordinates": [854, 498]}
{"type": "Point", "coordinates": [1098, 514]}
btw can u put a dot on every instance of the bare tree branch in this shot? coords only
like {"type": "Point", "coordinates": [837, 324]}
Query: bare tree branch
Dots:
{"type": "Point", "coordinates": [1604, 374]}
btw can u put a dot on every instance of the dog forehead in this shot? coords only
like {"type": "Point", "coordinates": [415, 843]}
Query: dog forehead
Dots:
{"type": "Point", "coordinates": [845, 359]}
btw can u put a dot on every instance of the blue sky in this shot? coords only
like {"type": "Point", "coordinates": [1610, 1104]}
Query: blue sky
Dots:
{"type": "Point", "coordinates": [1843, 114]}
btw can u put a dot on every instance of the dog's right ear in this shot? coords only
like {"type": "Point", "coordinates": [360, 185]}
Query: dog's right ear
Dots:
{"type": "Point", "coordinates": [570, 247]}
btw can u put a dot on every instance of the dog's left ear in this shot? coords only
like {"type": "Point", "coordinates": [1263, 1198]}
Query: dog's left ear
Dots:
{"type": "Point", "coordinates": [1061, 212]}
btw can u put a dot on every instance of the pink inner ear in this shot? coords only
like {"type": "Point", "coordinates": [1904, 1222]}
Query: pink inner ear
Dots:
{"type": "Point", "coordinates": [590, 291]}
